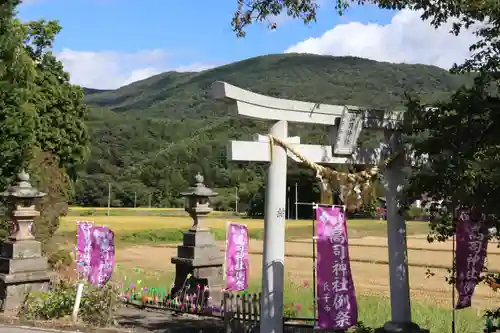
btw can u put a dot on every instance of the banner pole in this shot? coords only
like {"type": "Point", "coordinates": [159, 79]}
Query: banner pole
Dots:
{"type": "Point", "coordinates": [453, 313]}
{"type": "Point", "coordinates": [225, 254]}
{"type": "Point", "coordinates": [314, 208]}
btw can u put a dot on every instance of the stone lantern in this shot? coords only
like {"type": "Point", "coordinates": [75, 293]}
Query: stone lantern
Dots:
{"type": "Point", "coordinates": [197, 202]}
{"type": "Point", "coordinates": [22, 266]}
{"type": "Point", "coordinates": [199, 261]}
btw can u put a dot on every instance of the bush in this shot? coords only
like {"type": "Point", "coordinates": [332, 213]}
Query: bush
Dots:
{"type": "Point", "coordinates": [89, 212]}
{"type": "Point", "coordinates": [97, 306]}
{"type": "Point", "coordinates": [416, 213]}
{"type": "Point", "coordinates": [59, 258]}
{"type": "Point", "coordinates": [369, 209]}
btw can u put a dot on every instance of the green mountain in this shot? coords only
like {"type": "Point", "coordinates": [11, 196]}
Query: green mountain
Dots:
{"type": "Point", "coordinates": [151, 137]}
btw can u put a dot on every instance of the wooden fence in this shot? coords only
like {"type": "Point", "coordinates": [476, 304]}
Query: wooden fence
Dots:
{"type": "Point", "coordinates": [240, 313]}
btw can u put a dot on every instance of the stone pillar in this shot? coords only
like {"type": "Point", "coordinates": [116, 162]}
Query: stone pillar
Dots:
{"type": "Point", "coordinates": [199, 255]}
{"type": "Point", "coordinates": [22, 266]}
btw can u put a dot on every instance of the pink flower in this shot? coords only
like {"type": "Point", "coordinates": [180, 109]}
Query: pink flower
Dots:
{"type": "Point", "coordinates": [305, 284]}
{"type": "Point", "coordinates": [298, 307]}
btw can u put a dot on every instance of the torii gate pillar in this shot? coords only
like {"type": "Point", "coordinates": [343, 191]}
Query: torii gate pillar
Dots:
{"type": "Point", "coordinates": [273, 259]}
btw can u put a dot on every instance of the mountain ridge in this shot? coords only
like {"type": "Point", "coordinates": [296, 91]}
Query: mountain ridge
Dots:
{"type": "Point", "coordinates": [152, 94]}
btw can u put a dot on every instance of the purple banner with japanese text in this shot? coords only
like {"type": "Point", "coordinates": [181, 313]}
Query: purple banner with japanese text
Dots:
{"type": "Point", "coordinates": [471, 247]}
{"type": "Point", "coordinates": [83, 247]}
{"type": "Point", "coordinates": [237, 263]}
{"type": "Point", "coordinates": [103, 255]}
{"type": "Point", "coordinates": [337, 305]}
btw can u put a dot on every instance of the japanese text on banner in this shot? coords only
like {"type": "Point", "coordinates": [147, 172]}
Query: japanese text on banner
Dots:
{"type": "Point", "coordinates": [83, 247]}
{"type": "Point", "coordinates": [337, 305]}
{"type": "Point", "coordinates": [103, 255]}
{"type": "Point", "coordinates": [237, 263]}
{"type": "Point", "coordinates": [471, 247]}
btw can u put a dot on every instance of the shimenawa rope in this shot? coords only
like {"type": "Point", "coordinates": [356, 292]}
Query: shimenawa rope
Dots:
{"type": "Point", "coordinates": [349, 181]}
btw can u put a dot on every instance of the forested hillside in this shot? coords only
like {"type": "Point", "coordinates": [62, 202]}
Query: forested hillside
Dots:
{"type": "Point", "coordinates": [151, 137]}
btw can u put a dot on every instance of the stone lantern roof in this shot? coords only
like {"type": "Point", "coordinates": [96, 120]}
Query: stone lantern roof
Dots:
{"type": "Point", "coordinates": [22, 188]}
{"type": "Point", "coordinates": [199, 190]}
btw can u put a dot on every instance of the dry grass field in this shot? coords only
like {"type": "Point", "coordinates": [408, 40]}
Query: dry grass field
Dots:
{"type": "Point", "coordinates": [129, 223]}
{"type": "Point", "coordinates": [138, 223]}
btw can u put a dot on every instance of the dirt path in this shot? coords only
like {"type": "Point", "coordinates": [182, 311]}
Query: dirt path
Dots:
{"type": "Point", "coordinates": [369, 278]}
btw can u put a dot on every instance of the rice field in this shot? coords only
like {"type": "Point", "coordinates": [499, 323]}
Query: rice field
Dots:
{"type": "Point", "coordinates": [130, 223]}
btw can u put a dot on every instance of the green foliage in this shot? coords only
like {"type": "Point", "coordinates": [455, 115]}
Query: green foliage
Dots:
{"type": "Point", "coordinates": [59, 104]}
{"type": "Point", "coordinates": [60, 258]}
{"type": "Point", "coordinates": [17, 75]}
{"type": "Point", "coordinates": [416, 213]}
{"type": "Point", "coordinates": [369, 208]}
{"type": "Point", "coordinates": [458, 147]}
{"type": "Point", "coordinates": [258, 11]}
{"type": "Point", "coordinates": [52, 180]}
{"type": "Point", "coordinates": [96, 308]}
{"type": "Point", "coordinates": [41, 115]}
{"type": "Point", "coordinates": [165, 236]}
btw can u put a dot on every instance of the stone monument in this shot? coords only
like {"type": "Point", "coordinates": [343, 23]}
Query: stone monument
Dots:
{"type": "Point", "coordinates": [22, 266]}
{"type": "Point", "coordinates": [199, 261]}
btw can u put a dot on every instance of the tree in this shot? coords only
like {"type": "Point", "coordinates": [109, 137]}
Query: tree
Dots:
{"type": "Point", "coordinates": [18, 117]}
{"type": "Point", "coordinates": [41, 114]}
{"type": "Point", "coordinates": [59, 104]}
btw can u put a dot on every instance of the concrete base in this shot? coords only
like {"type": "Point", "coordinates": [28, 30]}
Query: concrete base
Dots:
{"type": "Point", "coordinates": [392, 327]}
{"type": "Point", "coordinates": [22, 270]}
{"type": "Point", "coordinates": [202, 258]}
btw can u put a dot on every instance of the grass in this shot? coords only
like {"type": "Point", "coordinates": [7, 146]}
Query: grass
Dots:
{"type": "Point", "coordinates": [129, 211]}
{"type": "Point", "coordinates": [374, 311]}
{"type": "Point", "coordinates": [125, 225]}
{"type": "Point", "coordinates": [167, 236]}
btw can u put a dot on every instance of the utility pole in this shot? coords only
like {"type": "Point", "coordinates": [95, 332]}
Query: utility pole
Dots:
{"type": "Point", "coordinates": [109, 197]}
{"type": "Point", "coordinates": [149, 200]}
{"type": "Point", "coordinates": [296, 202]}
{"type": "Point", "coordinates": [236, 202]}
{"type": "Point", "coordinates": [135, 199]}
{"type": "Point", "coordinates": [288, 203]}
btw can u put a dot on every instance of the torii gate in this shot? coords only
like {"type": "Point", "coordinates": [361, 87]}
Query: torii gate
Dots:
{"type": "Point", "coordinates": [344, 135]}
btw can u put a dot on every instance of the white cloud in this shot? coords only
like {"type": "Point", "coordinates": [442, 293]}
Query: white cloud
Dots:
{"type": "Point", "coordinates": [407, 39]}
{"type": "Point", "coordinates": [111, 70]}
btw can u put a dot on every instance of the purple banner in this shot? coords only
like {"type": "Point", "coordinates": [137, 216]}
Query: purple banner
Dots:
{"type": "Point", "coordinates": [337, 306]}
{"type": "Point", "coordinates": [471, 247]}
{"type": "Point", "coordinates": [103, 255]}
{"type": "Point", "coordinates": [237, 264]}
{"type": "Point", "coordinates": [83, 247]}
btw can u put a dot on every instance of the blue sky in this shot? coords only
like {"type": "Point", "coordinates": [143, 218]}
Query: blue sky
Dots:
{"type": "Point", "coordinates": [192, 35]}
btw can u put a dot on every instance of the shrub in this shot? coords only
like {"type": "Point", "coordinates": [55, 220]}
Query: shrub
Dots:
{"type": "Point", "coordinates": [89, 212]}
{"type": "Point", "coordinates": [97, 306]}
{"type": "Point", "coordinates": [415, 213]}
{"type": "Point", "coordinates": [59, 258]}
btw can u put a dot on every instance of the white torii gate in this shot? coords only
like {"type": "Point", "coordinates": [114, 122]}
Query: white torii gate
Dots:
{"type": "Point", "coordinates": [344, 135]}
